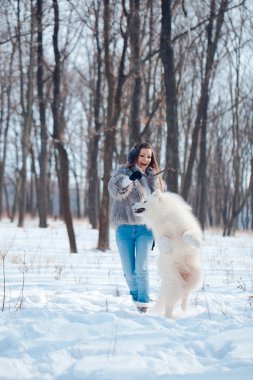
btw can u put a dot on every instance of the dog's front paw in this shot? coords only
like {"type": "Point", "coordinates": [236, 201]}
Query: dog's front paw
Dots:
{"type": "Point", "coordinates": [191, 240]}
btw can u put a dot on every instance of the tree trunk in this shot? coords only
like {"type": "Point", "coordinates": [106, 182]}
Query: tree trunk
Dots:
{"type": "Point", "coordinates": [134, 32]}
{"type": "Point", "coordinates": [167, 57]}
{"type": "Point", "coordinates": [30, 208]}
{"type": "Point", "coordinates": [113, 113]}
{"type": "Point", "coordinates": [78, 203]}
{"type": "Point", "coordinates": [109, 143]}
{"type": "Point", "coordinates": [64, 183]}
{"type": "Point", "coordinates": [42, 193]}
{"type": "Point", "coordinates": [27, 116]}
{"type": "Point", "coordinates": [58, 135]}
{"type": "Point", "coordinates": [93, 187]}
{"type": "Point", "coordinates": [5, 130]}
{"type": "Point", "coordinates": [236, 211]}
{"type": "Point", "coordinates": [251, 203]}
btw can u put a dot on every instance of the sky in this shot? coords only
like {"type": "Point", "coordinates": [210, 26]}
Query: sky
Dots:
{"type": "Point", "coordinates": [69, 316]}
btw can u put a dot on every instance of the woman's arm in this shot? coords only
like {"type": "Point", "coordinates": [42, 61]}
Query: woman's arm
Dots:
{"type": "Point", "coordinates": [120, 185]}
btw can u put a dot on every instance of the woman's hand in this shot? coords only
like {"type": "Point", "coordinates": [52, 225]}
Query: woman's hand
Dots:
{"type": "Point", "coordinates": [135, 175]}
{"type": "Point", "coordinates": [127, 180]}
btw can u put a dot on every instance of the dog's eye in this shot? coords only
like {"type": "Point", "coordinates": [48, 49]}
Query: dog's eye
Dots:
{"type": "Point", "coordinates": [145, 202]}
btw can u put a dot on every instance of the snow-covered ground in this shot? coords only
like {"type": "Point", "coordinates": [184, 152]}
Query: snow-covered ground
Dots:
{"type": "Point", "coordinates": [68, 316]}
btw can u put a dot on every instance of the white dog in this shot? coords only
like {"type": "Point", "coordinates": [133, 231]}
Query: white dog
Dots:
{"type": "Point", "coordinates": [178, 236]}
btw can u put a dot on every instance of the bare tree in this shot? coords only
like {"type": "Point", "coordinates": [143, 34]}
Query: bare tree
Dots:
{"type": "Point", "coordinates": [93, 183]}
{"type": "Point", "coordinates": [238, 196]}
{"type": "Point", "coordinates": [133, 21]}
{"type": "Point", "coordinates": [237, 208]}
{"type": "Point", "coordinates": [183, 83]}
{"type": "Point", "coordinates": [26, 104]}
{"type": "Point", "coordinates": [115, 87]}
{"type": "Point", "coordinates": [167, 57]}
{"type": "Point", "coordinates": [5, 122]}
{"type": "Point", "coordinates": [42, 193]}
{"type": "Point", "coordinates": [213, 36]}
{"type": "Point", "coordinates": [58, 136]}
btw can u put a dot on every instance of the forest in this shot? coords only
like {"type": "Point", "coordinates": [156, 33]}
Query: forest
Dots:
{"type": "Point", "coordinates": [82, 81]}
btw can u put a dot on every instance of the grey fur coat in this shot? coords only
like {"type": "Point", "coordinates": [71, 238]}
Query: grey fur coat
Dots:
{"type": "Point", "coordinates": [123, 198]}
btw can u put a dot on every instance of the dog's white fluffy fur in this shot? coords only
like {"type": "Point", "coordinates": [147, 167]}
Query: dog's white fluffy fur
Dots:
{"type": "Point", "coordinates": [178, 235]}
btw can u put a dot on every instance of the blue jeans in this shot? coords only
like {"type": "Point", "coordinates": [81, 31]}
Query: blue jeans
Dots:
{"type": "Point", "coordinates": [134, 244]}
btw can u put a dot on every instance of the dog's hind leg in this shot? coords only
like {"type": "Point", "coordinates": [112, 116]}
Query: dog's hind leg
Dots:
{"type": "Point", "coordinates": [159, 307]}
{"type": "Point", "coordinates": [169, 310]}
{"type": "Point", "coordinates": [170, 306]}
{"type": "Point", "coordinates": [173, 296]}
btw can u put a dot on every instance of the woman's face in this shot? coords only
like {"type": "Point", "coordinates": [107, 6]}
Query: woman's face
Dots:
{"type": "Point", "coordinates": [144, 158]}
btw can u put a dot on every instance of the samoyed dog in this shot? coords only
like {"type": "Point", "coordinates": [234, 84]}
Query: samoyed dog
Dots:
{"type": "Point", "coordinates": [178, 236]}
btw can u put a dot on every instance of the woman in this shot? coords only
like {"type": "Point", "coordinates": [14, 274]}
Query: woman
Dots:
{"type": "Point", "coordinates": [132, 183]}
